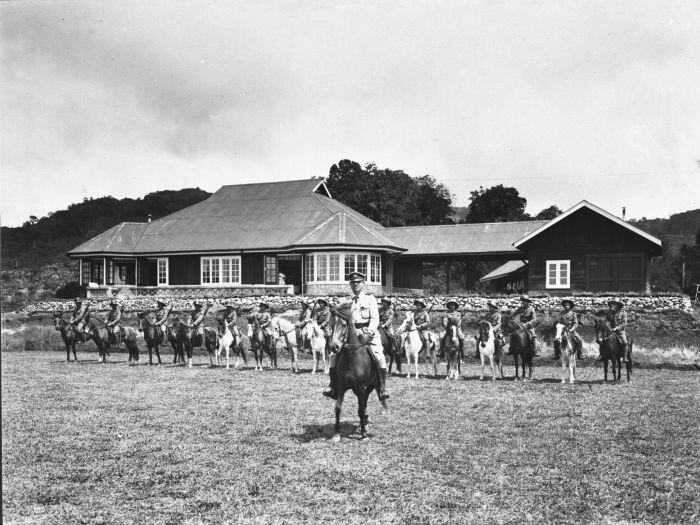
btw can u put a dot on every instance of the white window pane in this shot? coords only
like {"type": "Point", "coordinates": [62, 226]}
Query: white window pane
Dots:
{"type": "Point", "coordinates": [334, 267]}
{"type": "Point", "coordinates": [215, 275]}
{"type": "Point", "coordinates": [349, 265]}
{"type": "Point", "coordinates": [321, 270]}
{"type": "Point", "coordinates": [206, 271]}
{"type": "Point", "coordinates": [236, 270]}
{"type": "Point", "coordinates": [226, 270]}
{"type": "Point", "coordinates": [362, 264]}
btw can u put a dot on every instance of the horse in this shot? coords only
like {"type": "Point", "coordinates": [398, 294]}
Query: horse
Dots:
{"type": "Point", "coordinates": [192, 339]}
{"type": "Point", "coordinates": [392, 348]}
{"type": "Point", "coordinates": [317, 339]}
{"type": "Point", "coordinates": [257, 343]}
{"type": "Point", "coordinates": [69, 334]}
{"type": "Point", "coordinates": [451, 345]}
{"type": "Point", "coordinates": [521, 345]}
{"type": "Point", "coordinates": [152, 335]}
{"type": "Point", "coordinates": [612, 349]}
{"type": "Point", "coordinates": [354, 367]}
{"type": "Point", "coordinates": [489, 348]}
{"type": "Point", "coordinates": [564, 344]}
{"type": "Point", "coordinates": [287, 330]}
{"type": "Point", "coordinates": [127, 335]}
{"type": "Point", "coordinates": [225, 340]}
{"type": "Point", "coordinates": [411, 342]}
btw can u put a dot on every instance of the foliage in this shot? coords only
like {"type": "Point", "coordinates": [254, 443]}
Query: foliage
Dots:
{"type": "Point", "coordinates": [548, 213]}
{"type": "Point", "coordinates": [70, 290]}
{"type": "Point", "coordinates": [496, 204]}
{"type": "Point", "coordinates": [390, 197]}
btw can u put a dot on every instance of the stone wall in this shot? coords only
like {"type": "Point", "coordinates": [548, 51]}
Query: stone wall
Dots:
{"type": "Point", "coordinates": [339, 290]}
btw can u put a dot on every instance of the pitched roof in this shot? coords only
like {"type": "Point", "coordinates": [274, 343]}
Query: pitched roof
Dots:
{"type": "Point", "coordinates": [593, 207]}
{"type": "Point", "coordinates": [504, 270]}
{"type": "Point", "coordinates": [453, 239]}
{"type": "Point", "coordinates": [122, 238]}
{"type": "Point", "coordinates": [341, 228]}
{"type": "Point", "coordinates": [250, 217]}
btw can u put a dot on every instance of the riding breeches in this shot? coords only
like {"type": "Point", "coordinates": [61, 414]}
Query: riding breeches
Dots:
{"type": "Point", "coordinates": [622, 335]}
{"type": "Point", "coordinates": [376, 349]}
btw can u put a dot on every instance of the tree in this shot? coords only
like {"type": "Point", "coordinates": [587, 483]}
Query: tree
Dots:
{"type": "Point", "coordinates": [548, 213]}
{"type": "Point", "coordinates": [496, 204]}
{"type": "Point", "coordinates": [390, 197]}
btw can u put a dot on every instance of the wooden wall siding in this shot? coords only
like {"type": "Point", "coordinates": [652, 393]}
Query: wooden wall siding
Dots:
{"type": "Point", "coordinates": [252, 268]}
{"type": "Point", "coordinates": [184, 269]}
{"type": "Point", "coordinates": [383, 265]}
{"type": "Point", "coordinates": [408, 273]}
{"type": "Point", "coordinates": [603, 255]}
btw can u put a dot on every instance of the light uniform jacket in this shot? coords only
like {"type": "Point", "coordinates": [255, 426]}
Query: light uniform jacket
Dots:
{"type": "Point", "coordinates": [114, 317]}
{"type": "Point", "coordinates": [323, 318]}
{"type": "Point", "coordinates": [386, 319]}
{"type": "Point", "coordinates": [304, 318]}
{"type": "Point", "coordinates": [495, 320]}
{"type": "Point", "coordinates": [422, 320]}
{"type": "Point", "coordinates": [526, 315]}
{"type": "Point", "coordinates": [80, 313]}
{"type": "Point", "coordinates": [196, 318]}
{"type": "Point", "coordinates": [617, 320]}
{"type": "Point", "coordinates": [231, 319]}
{"type": "Point", "coordinates": [163, 315]}
{"type": "Point", "coordinates": [569, 319]}
{"type": "Point", "coordinates": [365, 311]}
{"type": "Point", "coordinates": [264, 322]}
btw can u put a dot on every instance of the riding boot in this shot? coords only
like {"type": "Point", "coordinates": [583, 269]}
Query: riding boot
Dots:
{"type": "Point", "coordinates": [477, 355]}
{"type": "Point", "coordinates": [579, 354]}
{"type": "Point", "coordinates": [441, 354]}
{"type": "Point", "coordinates": [461, 349]}
{"type": "Point", "coordinates": [382, 384]}
{"type": "Point", "coordinates": [624, 353]}
{"type": "Point", "coordinates": [332, 389]}
{"type": "Point", "coordinates": [534, 347]}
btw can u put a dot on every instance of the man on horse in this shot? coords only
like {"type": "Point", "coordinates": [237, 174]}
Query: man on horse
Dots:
{"type": "Point", "coordinates": [197, 318]}
{"type": "Point", "coordinates": [162, 317]}
{"type": "Point", "coordinates": [493, 316]}
{"type": "Point", "coordinates": [112, 323]}
{"type": "Point", "coordinates": [365, 315]}
{"type": "Point", "coordinates": [265, 321]}
{"type": "Point", "coordinates": [569, 319]}
{"type": "Point", "coordinates": [616, 318]}
{"type": "Point", "coordinates": [80, 314]}
{"type": "Point", "coordinates": [422, 320]}
{"type": "Point", "coordinates": [302, 320]}
{"type": "Point", "coordinates": [230, 316]}
{"type": "Point", "coordinates": [386, 317]}
{"type": "Point", "coordinates": [323, 316]}
{"type": "Point", "coordinates": [455, 317]}
{"type": "Point", "coordinates": [527, 317]}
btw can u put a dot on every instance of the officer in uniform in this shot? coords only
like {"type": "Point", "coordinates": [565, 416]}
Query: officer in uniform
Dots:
{"type": "Point", "coordinates": [527, 317]}
{"type": "Point", "coordinates": [422, 320]}
{"type": "Point", "coordinates": [80, 314]}
{"type": "Point", "coordinates": [197, 318]}
{"type": "Point", "coordinates": [113, 321]}
{"type": "Point", "coordinates": [302, 320]}
{"type": "Point", "coordinates": [616, 317]}
{"type": "Point", "coordinates": [230, 316]}
{"type": "Point", "coordinates": [365, 316]}
{"type": "Point", "coordinates": [265, 322]}
{"type": "Point", "coordinates": [386, 317]}
{"type": "Point", "coordinates": [569, 319]}
{"type": "Point", "coordinates": [162, 317]}
{"type": "Point", "coordinates": [454, 316]}
{"type": "Point", "coordinates": [493, 316]}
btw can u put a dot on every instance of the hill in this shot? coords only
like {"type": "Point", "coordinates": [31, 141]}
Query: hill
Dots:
{"type": "Point", "coordinates": [677, 230]}
{"type": "Point", "coordinates": [34, 261]}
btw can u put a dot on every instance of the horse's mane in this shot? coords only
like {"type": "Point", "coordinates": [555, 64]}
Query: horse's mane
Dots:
{"type": "Point", "coordinates": [344, 311]}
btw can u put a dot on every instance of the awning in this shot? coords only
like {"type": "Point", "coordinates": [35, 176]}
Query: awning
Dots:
{"type": "Point", "coordinates": [504, 270]}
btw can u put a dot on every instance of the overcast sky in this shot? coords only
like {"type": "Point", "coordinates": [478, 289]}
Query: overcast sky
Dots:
{"type": "Point", "coordinates": [563, 100]}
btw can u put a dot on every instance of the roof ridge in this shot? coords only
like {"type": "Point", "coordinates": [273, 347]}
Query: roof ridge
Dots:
{"type": "Point", "coordinates": [316, 228]}
{"type": "Point", "coordinates": [465, 224]}
{"type": "Point", "coordinates": [319, 180]}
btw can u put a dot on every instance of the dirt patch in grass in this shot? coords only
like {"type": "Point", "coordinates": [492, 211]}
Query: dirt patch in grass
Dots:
{"type": "Point", "coordinates": [91, 443]}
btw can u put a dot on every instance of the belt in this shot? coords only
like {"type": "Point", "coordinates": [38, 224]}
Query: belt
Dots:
{"type": "Point", "coordinates": [361, 325]}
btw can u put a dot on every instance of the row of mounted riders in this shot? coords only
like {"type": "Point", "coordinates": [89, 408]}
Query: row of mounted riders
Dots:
{"type": "Point", "coordinates": [313, 329]}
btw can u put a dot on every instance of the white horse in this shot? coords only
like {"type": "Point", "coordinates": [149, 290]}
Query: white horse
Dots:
{"type": "Point", "coordinates": [285, 329]}
{"type": "Point", "coordinates": [411, 342]}
{"type": "Point", "coordinates": [487, 343]}
{"type": "Point", "coordinates": [226, 339]}
{"type": "Point", "coordinates": [567, 350]}
{"type": "Point", "coordinates": [317, 340]}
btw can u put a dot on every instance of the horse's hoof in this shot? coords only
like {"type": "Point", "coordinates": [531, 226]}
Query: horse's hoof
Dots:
{"type": "Point", "coordinates": [563, 381]}
{"type": "Point", "coordinates": [336, 438]}
{"type": "Point", "coordinates": [364, 438]}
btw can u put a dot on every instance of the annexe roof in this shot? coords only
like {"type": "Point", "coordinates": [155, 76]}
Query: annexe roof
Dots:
{"type": "Point", "coordinates": [120, 239]}
{"type": "Point", "coordinates": [462, 239]}
{"type": "Point", "coordinates": [246, 217]}
{"type": "Point", "coordinates": [504, 270]}
{"type": "Point", "coordinates": [593, 207]}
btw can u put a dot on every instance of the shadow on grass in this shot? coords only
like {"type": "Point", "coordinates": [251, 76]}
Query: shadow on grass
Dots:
{"type": "Point", "coordinates": [325, 432]}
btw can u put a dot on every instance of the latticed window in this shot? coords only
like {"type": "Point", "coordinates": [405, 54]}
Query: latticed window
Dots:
{"type": "Point", "coordinates": [110, 271]}
{"type": "Point", "coordinates": [220, 270]}
{"type": "Point", "coordinates": [270, 269]}
{"type": "Point", "coordinates": [162, 272]}
{"type": "Point", "coordinates": [215, 271]}
{"type": "Point", "coordinates": [558, 274]}
{"type": "Point", "coordinates": [375, 273]}
{"type": "Point", "coordinates": [86, 267]}
{"type": "Point", "coordinates": [331, 267]}
{"type": "Point", "coordinates": [309, 268]}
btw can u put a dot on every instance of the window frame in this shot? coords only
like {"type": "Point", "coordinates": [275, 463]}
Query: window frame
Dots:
{"type": "Point", "coordinates": [342, 257]}
{"type": "Point", "coordinates": [234, 264]}
{"type": "Point", "coordinates": [558, 284]}
{"type": "Point", "coordinates": [167, 271]}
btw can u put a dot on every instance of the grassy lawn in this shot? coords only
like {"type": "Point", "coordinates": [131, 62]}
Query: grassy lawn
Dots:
{"type": "Point", "coordinates": [91, 443]}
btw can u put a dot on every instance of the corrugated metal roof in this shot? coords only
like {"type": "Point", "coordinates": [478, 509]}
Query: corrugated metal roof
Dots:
{"type": "Point", "coordinates": [122, 238]}
{"type": "Point", "coordinates": [503, 270]}
{"type": "Point", "coordinates": [490, 237]}
{"type": "Point", "coordinates": [343, 228]}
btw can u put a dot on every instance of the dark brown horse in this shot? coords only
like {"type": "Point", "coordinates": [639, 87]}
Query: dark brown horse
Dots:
{"type": "Point", "coordinates": [69, 334]}
{"type": "Point", "coordinates": [259, 343]}
{"type": "Point", "coordinates": [612, 350]}
{"type": "Point", "coordinates": [102, 338]}
{"type": "Point", "coordinates": [188, 337]}
{"type": "Point", "coordinates": [451, 346]}
{"type": "Point", "coordinates": [152, 335]}
{"type": "Point", "coordinates": [521, 345]}
{"type": "Point", "coordinates": [392, 348]}
{"type": "Point", "coordinates": [354, 366]}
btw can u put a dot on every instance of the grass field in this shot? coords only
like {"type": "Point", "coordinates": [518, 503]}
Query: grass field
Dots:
{"type": "Point", "coordinates": [91, 443]}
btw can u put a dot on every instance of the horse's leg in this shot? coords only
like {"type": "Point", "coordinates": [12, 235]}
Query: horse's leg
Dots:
{"type": "Point", "coordinates": [564, 358]}
{"type": "Point", "coordinates": [483, 363]}
{"type": "Point", "coordinates": [493, 369]}
{"type": "Point", "coordinates": [515, 360]}
{"type": "Point", "coordinates": [628, 365]}
{"type": "Point", "coordinates": [572, 367]}
{"type": "Point", "coordinates": [605, 369]}
{"type": "Point", "coordinates": [67, 345]}
{"type": "Point", "coordinates": [338, 406]}
{"type": "Point", "coordinates": [362, 411]}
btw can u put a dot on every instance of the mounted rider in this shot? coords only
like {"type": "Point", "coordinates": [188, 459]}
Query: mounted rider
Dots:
{"type": "Point", "coordinates": [365, 315]}
{"type": "Point", "coordinates": [386, 317]}
{"type": "Point", "coordinates": [302, 320]}
{"type": "Point", "coordinates": [527, 317]}
{"type": "Point", "coordinates": [493, 316]}
{"type": "Point", "coordinates": [569, 319]}
{"type": "Point", "coordinates": [229, 315]}
{"type": "Point", "coordinates": [113, 322]}
{"type": "Point", "coordinates": [265, 322]}
{"type": "Point", "coordinates": [616, 318]}
{"type": "Point", "coordinates": [455, 317]}
{"type": "Point", "coordinates": [422, 320]}
{"type": "Point", "coordinates": [322, 316]}
{"type": "Point", "coordinates": [162, 318]}
{"type": "Point", "coordinates": [197, 319]}
{"type": "Point", "coordinates": [80, 315]}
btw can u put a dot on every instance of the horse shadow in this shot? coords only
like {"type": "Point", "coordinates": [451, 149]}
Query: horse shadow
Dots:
{"type": "Point", "coordinates": [325, 432]}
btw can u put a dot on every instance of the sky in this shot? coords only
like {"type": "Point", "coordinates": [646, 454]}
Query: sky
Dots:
{"type": "Point", "coordinates": [564, 100]}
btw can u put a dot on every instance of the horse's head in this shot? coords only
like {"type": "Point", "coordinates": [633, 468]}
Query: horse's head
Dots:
{"type": "Point", "coordinates": [221, 326]}
{"type": "Point", "coordinates": [249, 329]}
{"type": "Point", "coordinates": [558, 331]}
{"type": "Point", "coordinates": [408, 324]}
{"type": "Point", "coordinates": [602, 330]}
{"type": "Point", "coordinates": [343, 329]}
{"type": "Point", "coordinates": [485, 332]}
{"type": "Point", "coordinates": [57, 318]}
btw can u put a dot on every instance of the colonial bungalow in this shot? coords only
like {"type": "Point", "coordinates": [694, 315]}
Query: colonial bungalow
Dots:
{"type": "Point", "coordinates": [293, 237]}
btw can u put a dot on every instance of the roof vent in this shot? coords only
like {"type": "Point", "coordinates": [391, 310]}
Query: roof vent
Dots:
{"type": "Point", "coordinates": [150, 217]}
{"type": "Point", "coordinates": [624, 212]}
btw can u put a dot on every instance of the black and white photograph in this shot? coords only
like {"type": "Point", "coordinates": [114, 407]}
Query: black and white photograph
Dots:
{"type": "Point", "coordinates": [407, 262]}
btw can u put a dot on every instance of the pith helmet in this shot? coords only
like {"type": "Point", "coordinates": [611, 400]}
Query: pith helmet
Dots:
{"type": "Point", "coordinates": [196, 304]}
{"type": "Point", "coordinates": [264, 306]}
{"type": "Point", "coordinates": [419, 302]}
{"type": "Point", "coordinates": [491, 304]}
{"type": "Point", "coordinates": [78, 300]}
{"type": "Point", "coordinates": [452, 303]}
{"type": "Point", "coordinates": [615, 300]}
{"type": "Point", "coordinates": [387, 299]}
{"type": "Point", "coordinates": [525, 298]}
{"type": "Point", "coordinates": [564, 302]}
{"type": "Point", "coordinates": [322, 301]}
{"type": "Point", "coordinates": [356, 276]}
{"type": "Point", "coordinates": [160, 303]}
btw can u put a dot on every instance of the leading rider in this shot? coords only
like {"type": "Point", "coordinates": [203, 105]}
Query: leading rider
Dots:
{"type": "Point", "coordinates": [455, 317]}
{"type": "Point", "coordinates": [569, 319]}
{"type": "Point", "coordinates": [113, 322]}
{"type": "Point", "coordinates": [616, 318]}
{"type": "Point", "coordinates": [80, 315]}
{"type": "Point", "coordinates": [365, 316]}
{"type": "Point", "coordinates": [527, 317]}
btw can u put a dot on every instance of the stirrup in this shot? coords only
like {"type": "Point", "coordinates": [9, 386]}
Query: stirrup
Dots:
{"type": "Point", "coordinates": [329, 392]}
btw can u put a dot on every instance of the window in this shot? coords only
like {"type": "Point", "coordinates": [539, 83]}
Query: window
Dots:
{"type": "Point", "coordinates": [558, 274]}
{"type": "Point", "coordinates": [221, 270]}
{"type": "Point", "coordinates": [270, 269]}
{"type": "Point", "coordinates": [332, 267]}
{"type": "Point", "coordinates": [163, 272]}
{"type": "Point", "coordinates": [86, 267]}
{"type": "Point", "coordinates": [96, 271]}
{"type": "Point", "coordinates": [110, 271]}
